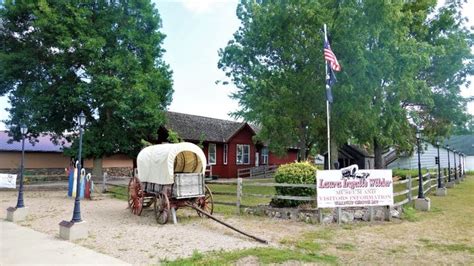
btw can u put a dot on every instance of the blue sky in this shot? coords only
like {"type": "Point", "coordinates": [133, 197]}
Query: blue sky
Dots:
{"type": "Point", "coordinates": [195, 30]}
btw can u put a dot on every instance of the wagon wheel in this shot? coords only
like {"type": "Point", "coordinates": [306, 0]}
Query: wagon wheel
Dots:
{"type": "Point", "coordinates": [135, 196]}
{"type": "Point", "coordinates": [162, 208]}
{"type": "Point", "coordinates": [206, 203]}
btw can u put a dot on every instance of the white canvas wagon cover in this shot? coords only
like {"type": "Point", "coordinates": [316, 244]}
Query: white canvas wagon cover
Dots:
{"type": "Point", "coordinates": [158, 163]}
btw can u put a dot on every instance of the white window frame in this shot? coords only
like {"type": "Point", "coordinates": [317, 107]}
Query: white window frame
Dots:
{"type": "Point", "coordinates": [265, 156]}
{"type": "Point", "coordinates": [209, 154]}
{"type": "Point", "coordinates": [226, 150]}
{"type": "Point", "coordinates": [241, 161]}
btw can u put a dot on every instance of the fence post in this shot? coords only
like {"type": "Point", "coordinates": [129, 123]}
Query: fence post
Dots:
{"type": "Point", "coordinates": [388, 214]}
{"type": "Point", "coordinates": [371, 213]}
{"type": "Point", "coordinates": [239, 194]}
{"type": "Point", "coordinates": [338, 215]}
{"type": "Point", "coordinates": [104, 181]}
{"type": "Point", "coordinates": [409, 185]}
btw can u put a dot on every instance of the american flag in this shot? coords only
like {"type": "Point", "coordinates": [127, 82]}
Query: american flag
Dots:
{"type": "Point", "coordinates": [331, 57]}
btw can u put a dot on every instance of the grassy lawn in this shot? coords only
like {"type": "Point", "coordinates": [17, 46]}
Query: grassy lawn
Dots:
{"type": "Point", "coordinates": [442, 236]}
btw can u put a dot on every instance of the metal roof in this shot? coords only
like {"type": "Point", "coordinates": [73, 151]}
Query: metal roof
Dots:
{"type": "Point", "coordinates": [461, 143]}
{"type": "Point", "coordinates": [42, 143]}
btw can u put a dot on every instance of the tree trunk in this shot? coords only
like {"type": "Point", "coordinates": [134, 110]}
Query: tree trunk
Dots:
{"type": "Point", "coordinates": [302, 144]}
{"type": "Point", "coordinates": [97, 171]}
{"type": "Point", "coordinates": [302, 151]}
{"type": "Point", "coordinates": [378, 149]}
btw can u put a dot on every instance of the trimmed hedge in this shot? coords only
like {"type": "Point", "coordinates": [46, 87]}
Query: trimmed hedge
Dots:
{"type": "Point", "coordinates": [294, 173]}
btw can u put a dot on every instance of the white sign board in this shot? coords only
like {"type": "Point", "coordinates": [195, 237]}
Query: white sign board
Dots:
{"type": "Point", "coordinates": [350, 187]}
{"type": "Point", "coordinates": [7, 180]}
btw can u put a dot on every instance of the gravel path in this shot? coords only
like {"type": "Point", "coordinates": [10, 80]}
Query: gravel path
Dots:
{"type": "Point", "coordinates": [115, 231]}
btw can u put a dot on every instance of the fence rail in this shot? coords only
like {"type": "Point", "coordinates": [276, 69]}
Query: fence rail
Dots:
{"type": "Point", "coordinates": [263, 171]}
{"type": "Point", "coordinates": [401, 197]}
{"type": "Point", "coordinates": [403, 189]}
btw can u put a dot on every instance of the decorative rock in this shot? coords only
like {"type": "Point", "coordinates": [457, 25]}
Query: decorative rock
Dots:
{"type": "Point", "coordinates": [301, 216]}
{"type": "Point", "coordinates": [395, 213]}
{"type": "Point", "coordinates": [327, 219]}
{"type": "Point", "coordinates": [359, 214]}
{"type": "Point", "coordinates": [347, 217]}
{"type": "Point", "coordinates": [379, 215]}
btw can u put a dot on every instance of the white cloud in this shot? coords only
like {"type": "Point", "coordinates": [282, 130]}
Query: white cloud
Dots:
{"type": "Point", "coordinates": [201, 6]}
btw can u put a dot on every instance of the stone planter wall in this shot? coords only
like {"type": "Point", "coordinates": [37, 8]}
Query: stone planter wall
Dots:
{"type": "Point", "coordinates": [347, 215]}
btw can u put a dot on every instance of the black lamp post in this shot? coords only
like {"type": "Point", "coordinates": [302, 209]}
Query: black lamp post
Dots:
{"type": "Point", "coordinates": [449, 165]}
{"type": "Point", "coordinates": [23, 130]}
{"type": "Point", "coordinates": [76, 217]}
{"type": "Point", "coordinates": [455, 168]}
{"type": "Point", "coordinates": [420, 178]}
{"type": "Point", "coordinates": [440, 185]}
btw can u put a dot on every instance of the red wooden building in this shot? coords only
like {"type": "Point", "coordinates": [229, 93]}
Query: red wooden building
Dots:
{"type": "Point", "coordinates": [228, 145]}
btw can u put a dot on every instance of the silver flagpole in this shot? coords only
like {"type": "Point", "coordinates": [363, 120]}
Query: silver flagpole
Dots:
{"type": "Point", "coordinates": [327, 105]}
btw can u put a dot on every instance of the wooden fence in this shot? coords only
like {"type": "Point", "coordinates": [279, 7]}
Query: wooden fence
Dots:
{"type": "Point", "coordinates": [263, 171]}
{"type": "Point", "coordinates": [401, 197]}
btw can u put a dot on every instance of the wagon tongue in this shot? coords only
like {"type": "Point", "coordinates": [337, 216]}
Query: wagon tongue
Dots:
{"type": "Point", "coordinates": [225, 224]}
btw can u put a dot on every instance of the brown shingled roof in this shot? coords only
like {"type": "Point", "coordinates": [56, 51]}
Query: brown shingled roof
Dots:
{"type": "Point", "coordinates": [193, 127]}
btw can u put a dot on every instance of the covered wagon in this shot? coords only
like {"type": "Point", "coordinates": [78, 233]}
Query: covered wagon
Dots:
{"type": "Point", "coordinates": [169, 176]}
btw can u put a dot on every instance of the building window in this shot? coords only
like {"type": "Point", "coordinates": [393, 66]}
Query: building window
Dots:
{"type": "Point", "coordinates": [265, 155]}
{"type": "Point", "coordinates": [243, 154]}
{"type": "Point", "coordinates": [226, 148]}
{"type": "Point", "coordinates": [211, 154]}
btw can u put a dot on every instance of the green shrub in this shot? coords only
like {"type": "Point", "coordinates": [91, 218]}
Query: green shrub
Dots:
{"type": "Point", "coordinates": [404, 173]}
{"type": "Point", "coordinates": [294, 173]}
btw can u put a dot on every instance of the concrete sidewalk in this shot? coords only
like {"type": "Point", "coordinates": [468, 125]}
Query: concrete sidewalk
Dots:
{"type": "Point", "coordinates": [21, 245]}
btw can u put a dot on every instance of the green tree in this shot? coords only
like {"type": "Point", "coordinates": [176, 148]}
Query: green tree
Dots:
{"type": "Point", "coordinates": [103, 57]}
{"type": "Point", "coordinates": [275, 60]}
{"type": "Point", "coordinates": [401, 61]}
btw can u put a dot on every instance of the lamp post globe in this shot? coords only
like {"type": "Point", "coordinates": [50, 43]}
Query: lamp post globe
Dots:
{"type": "Point", "coordinates": [23, 130]}
{"type": "Point", "coordinates": [76, 216]}
{"type": "Point", "coordinates": [440, 185]}
{"type": "Point", "coordinates": [420, 177]}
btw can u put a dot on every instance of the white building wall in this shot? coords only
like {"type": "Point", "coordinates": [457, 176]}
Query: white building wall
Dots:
{"type": "Point", "coordinates": [469, 163]}
{"type": "Point", "coordinates": [428, 154]}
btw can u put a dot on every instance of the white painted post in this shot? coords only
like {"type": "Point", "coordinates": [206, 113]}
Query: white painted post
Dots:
{"type": "Point", "coordinates": [320, 215]}
{"type": "Point", "coordinates": [239, 194]}
{"type": "Point", "coordinates": [104, 181]}
{"type": "Point", "coordinates": [409, 185]}
{"type": "Point", "coordinates": [371, 213]}
{"type": "Point", "coordinates": [338, 215]}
